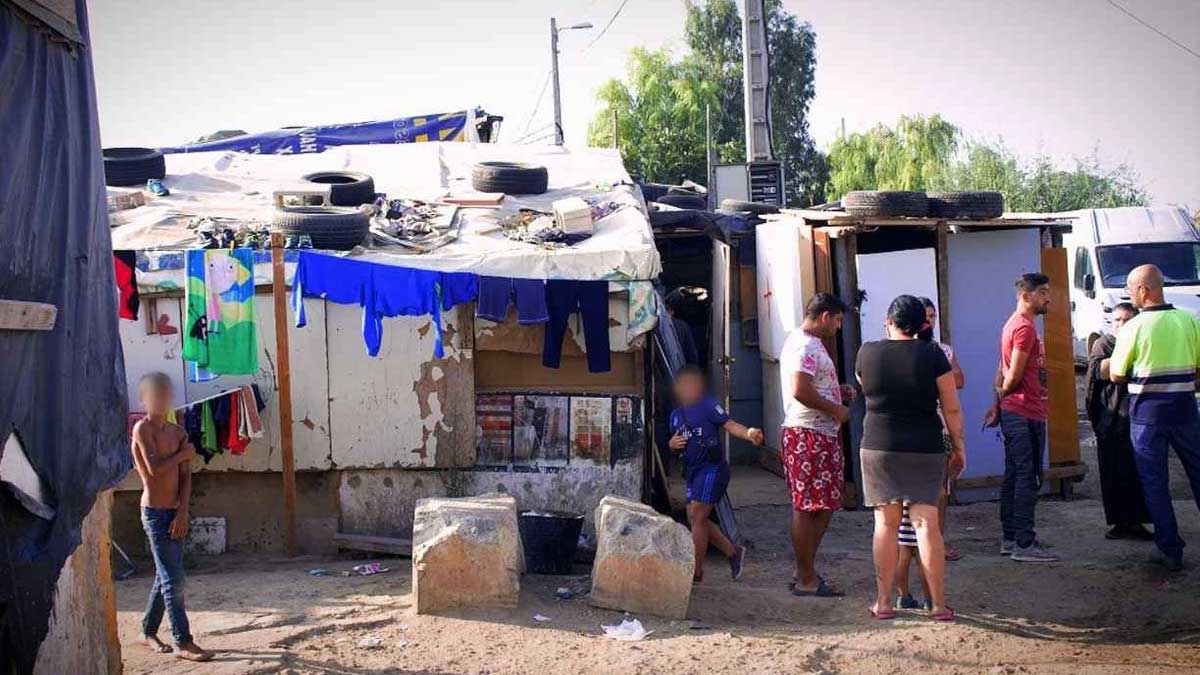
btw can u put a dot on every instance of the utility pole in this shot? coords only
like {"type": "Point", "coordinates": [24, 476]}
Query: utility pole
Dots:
{"type": "Point", "coordinates": [558, 130]}
{"type": "Point", "coordinates": [756, 74]}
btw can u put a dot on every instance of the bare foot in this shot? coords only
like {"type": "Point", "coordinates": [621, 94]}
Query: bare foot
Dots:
{"type": "Point", "coordinates": [192, 652]}
{"type": "Point", "coordinates": [155, 644]}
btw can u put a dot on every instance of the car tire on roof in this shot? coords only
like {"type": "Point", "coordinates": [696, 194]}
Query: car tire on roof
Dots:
{"type": "Point", "coordinates": [886, 204]}
{"type": "Point", "coordinates": [755, 208]}
{"type": "Point", "coordinates": [511, 178]}
{"type": "Point", "coordinates": [974, 205]}
{"type": "Point", "coordinates": [346, 188]}
{"type": "Point", "coordinates": [692, 201]}
{"type": "Point", "coordinates": [329, 227]}
{"type": "Point", "coordinates": [132, 166]}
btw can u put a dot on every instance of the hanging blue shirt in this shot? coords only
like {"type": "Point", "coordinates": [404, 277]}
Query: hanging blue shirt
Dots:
{"type": "Point", "coordinates": [381, 290]}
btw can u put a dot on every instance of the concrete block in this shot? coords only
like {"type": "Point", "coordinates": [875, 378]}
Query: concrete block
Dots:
{"type": "Point", "coordinates": [644, 560]}
{"type": "Point", "coordinates": [466, 553]}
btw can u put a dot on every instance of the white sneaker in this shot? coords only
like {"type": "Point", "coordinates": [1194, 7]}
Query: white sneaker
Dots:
{"type": "Point", "coordinates": [1035, 552]}
{"type": "Point", "coordinates": [1007, 546]}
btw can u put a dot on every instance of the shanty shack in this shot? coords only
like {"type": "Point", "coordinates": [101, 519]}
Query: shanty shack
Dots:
{"type": "Point", "coordinates": [968, 268]}
{"type": "Point", "coordinates": [451, 403]}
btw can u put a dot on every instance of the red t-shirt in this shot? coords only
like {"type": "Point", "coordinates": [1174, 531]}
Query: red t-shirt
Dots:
{"type": "Point", "coordinates": [1029, 398]}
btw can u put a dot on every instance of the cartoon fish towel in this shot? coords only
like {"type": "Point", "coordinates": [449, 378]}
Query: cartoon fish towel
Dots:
{"type": "Point", "coordinates": [220, 336]}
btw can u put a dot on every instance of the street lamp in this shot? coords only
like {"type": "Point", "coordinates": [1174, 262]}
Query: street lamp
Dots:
{"type": "Point", "coordinates": [554, 30]}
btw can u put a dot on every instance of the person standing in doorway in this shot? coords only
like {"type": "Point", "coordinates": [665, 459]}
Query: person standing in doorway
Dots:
{"type": "Point", "coordinates": [1021, 410]}
{"type": "Point", "coordinates": [810, 445]}
{"type": "Point", "coordinates": [1157, 353]}
{"type": "Point", "coordinates": [1108, 410]}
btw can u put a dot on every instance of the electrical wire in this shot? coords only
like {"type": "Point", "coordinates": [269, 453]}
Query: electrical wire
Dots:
{"type": "Point", "coordinates": [537, 104]}
{"type": "Point", "coordinates": [607, 25]}
{"type": "Point", "coordinates": [1166, 37]}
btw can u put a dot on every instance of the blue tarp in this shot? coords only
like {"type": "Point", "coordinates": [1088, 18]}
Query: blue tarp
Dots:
{"type": "Point", "coordinates": [422, 128]}
{"type": "Point", "coordinates": [62, 391]}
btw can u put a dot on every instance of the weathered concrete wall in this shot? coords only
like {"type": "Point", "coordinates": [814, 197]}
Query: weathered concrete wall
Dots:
{"type": "Point", "coordinates": [381, 501]}
{"type": "Point", "coordinates": [83, 628]}
{"type": "Point", "coordinates": [252, 505]}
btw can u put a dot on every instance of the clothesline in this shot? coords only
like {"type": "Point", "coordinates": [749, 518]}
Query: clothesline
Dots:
{"type": "Point", "coordinates": [209, 398]}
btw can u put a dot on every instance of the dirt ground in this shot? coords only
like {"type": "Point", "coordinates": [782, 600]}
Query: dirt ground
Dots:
{"type": "Point", "coordinates": [1103, 610]}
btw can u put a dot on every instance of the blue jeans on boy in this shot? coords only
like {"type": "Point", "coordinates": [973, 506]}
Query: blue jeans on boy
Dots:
{"type": "Point", "coordinates": [167, 592]}
{"type": "Point", "coordinates": [1024, 443]}
{"type": "Point", "coordinates": [1150, 443]}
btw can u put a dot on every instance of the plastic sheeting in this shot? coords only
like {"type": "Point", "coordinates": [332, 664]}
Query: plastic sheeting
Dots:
{"type": "Point", "coordinates": [419, 129]}
{"type": "Point", "coordinates": [63, 391]}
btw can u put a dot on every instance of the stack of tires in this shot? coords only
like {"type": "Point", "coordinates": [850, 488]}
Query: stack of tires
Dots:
{"type": "Point", "coordinates": [339, 226]}
{"type": "Point", "coordinates": [132, 166]}
{"type": "Point", "coordinates": [976, 205]}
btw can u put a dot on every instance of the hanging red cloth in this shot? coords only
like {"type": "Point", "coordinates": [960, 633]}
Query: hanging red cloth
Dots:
{"type": "Point", "coordinates": [235, 441]}
{"type": "Point", "coordinates": [125, 265]}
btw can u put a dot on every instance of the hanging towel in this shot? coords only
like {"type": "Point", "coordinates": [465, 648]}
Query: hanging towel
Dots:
{"type": "Point", "coordinates": [220, 337]}
{"type": "Point", "coordinates": [208, 433]}
{"type": "Point", "coordinates": [125, 263]}
{"type": "Point", "coordinates": [237, 440]}
{"type": "Point", "coordinates": [381, 290]}
{"type": "Point", "coordinates": [250, 409]}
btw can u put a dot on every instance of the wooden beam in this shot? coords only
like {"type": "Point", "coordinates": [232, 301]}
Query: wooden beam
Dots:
{"type": "Point", "coordinates": [22, 315]}
{"type": "Point", "coordinates": [363, 542]}
{"type": "Point", "coordinates": [1063, 427]}
{"type": "Point", "coordinates": [284, 381]}
{"type": "Point", "coordinates": [823, 268]}
{"type": "Point", "coordinates": [942, 253]}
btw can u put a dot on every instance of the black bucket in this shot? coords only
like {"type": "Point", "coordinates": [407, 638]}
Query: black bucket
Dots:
{"type": "Point", "coordinates": [550, 539]}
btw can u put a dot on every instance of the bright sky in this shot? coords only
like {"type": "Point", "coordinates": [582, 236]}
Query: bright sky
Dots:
{"type": "Point", "coordinates": [1059, 78]}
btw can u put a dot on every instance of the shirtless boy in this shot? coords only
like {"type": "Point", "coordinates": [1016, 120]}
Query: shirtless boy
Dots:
{"type": "Point", "coordinates": [162, 455]}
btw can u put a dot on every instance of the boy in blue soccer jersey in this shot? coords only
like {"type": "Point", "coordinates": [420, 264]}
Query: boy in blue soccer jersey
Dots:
{"type": "Point", "coordinates": [696, 433]}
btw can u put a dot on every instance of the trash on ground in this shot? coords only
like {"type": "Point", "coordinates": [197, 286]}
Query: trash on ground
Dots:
{"type": "Point", "coordinates": [370, 568]}
{"type": "Point", "coordinates": [371, 642]}
{"type": "Point", "coordinates": [541, 617]}
{"type": "Point", "coordinates": [564, 593]}
{"type": "Point", "coordinates": [319, 572]}
{"type": "Point", "coordinates": [629, 630]}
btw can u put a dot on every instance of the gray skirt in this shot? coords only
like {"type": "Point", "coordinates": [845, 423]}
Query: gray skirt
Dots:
{"type": "Point", "coordinates": [900, 477]}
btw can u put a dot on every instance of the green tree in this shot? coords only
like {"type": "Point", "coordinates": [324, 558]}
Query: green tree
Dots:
{"type": "Point", "coordinates": [710, 73]}
{"type": "Point", "coordinates": [926, 153]}
{"type": "Point", "coordinates": [912, 156]}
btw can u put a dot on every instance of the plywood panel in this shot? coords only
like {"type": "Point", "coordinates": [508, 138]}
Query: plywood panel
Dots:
{"type": "Point", "coordinates": [153, 352]}
{"type": "Point", "coordinates": [1063, 431]}
{"type": "Point", "coordinates": [513, 337]}
{"type": "Point", "coordinates": [884, 276]}
{"type": "Point", "coordinates": [983, 266]}
{"type": "Point", "coordinates": [404, 408]}
{"type": "Point", "coordinates": [785, 282]}
{"type": "Point", "coordinates": [509, 371]}
{"type": "Point", "coordinates": [310, 393]}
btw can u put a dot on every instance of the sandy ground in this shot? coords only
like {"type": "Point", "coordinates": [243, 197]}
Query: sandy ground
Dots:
{"type": "Point", "coordinates": [1103, 610]}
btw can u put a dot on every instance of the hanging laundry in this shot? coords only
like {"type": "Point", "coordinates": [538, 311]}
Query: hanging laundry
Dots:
{"type": "Point", "coordinates": [208, 433]}
{"type": "Point", "coordinates": [125, 264]}
{"type": "Point", "coordinates": [590, 300]}
{"type": "Point", "coordinates": [496, 294]}
{"type": "Point", "coordinates": [220, 335]}
{"type": "Point", "coordinates": [236, 440]}
{"type": "Point", "coordinates": [193, 427]}
{"type": "Point", "coordinates": [382, 291]}
{"type": "Point", "coordinates": [251, 406]}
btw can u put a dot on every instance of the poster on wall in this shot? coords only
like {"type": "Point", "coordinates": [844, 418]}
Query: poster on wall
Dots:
{"type": "Point", "coordinates": [591, 427]}
{"type": "Point", "coordinates": [628, 437]}
{"type": "Point", "coordinates": [493, 429]}
{"type": "Point", "coordinates": [540, 429]}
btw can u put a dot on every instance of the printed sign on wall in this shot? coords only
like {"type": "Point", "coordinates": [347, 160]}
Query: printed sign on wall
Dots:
{"type": "Point", "coordinates": [493, 429]}
{"type": "Point", "coordinates": [591, 428]}
{"type": "Point", "coordinates": [540, 429]}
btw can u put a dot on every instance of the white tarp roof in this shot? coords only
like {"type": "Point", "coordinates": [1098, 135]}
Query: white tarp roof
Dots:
{"type": "Point", "coordinates": [240, 186]}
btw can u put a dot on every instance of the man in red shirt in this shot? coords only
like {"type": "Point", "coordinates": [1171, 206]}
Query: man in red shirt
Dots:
{"type": "Point", "coordinates": [1020, 410]}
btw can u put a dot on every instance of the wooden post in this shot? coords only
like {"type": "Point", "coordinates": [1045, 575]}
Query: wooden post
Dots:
{"type": "Point", "coordinates": [942, 251]}
{"type": "Point", "coordinates": [616, 130]}
{"type": "Point", "coordinates": [284, 382]}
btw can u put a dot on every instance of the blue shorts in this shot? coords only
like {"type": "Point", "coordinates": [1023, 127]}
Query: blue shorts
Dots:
{"type": "Point", "coordinates": [707, 483]}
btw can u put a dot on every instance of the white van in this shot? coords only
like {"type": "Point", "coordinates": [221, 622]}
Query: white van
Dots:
{"type": "Point", "coordinates": [1105, 244]}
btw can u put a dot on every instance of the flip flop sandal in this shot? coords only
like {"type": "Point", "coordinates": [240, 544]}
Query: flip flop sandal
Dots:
{"type": "Point", "coordinates": [952, 554]}
{"type": "Point", "coordinates": [823, 590]}
{"type": "Point", "coordinates": [944, 615]}
{"type": "Point", "coordinates": [881, 615]}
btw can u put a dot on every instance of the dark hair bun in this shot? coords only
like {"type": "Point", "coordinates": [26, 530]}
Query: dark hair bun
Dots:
{"type": "Point", "coordinates": [907, 313]}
